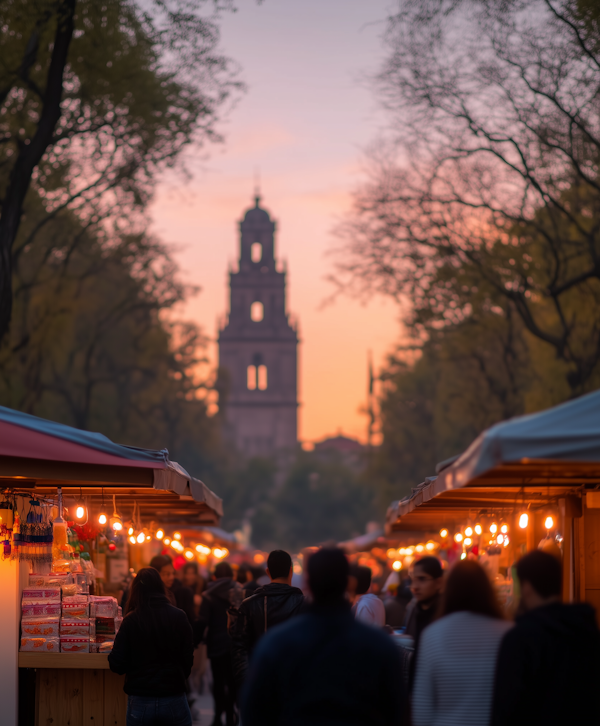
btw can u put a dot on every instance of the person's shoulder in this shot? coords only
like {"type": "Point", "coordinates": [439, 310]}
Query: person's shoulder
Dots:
{"type": "Point", "coordinates": [373, 637]}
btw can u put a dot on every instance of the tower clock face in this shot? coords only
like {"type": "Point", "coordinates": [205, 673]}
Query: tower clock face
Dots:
{"type": "Point", "coordinates": [258, 346]}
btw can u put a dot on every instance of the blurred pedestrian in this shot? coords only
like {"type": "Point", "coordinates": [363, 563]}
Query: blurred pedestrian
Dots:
{"type": "Point", "coordinates": [222, 596]}
{"type": "Point", "coordinates": [367, 608]}
{"type": "Point", "coordinates": [182, 596]}
{"type": "Point", "coordinates": [154, 650]}
{"type": "Point", "coordinates": [426, 586]}
{"type": "Point", "coordinates": [455, 672]}
{"type": "Point", "coordinates": [193, 580]}
{"type": "Point", "coordinates": [270, 605]}
{"type": "Point", "coordinates": [549, 664]}
{"type": "Point", "coordinates": [323, 667]}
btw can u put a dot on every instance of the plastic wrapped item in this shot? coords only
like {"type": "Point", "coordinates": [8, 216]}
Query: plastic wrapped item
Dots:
{"type": "Point", "coordinates": [105, 647]}
{"type": "Point", "coordinates": [79, 628]}
{"type": "Point", "coordinates": [38, 580]}
{"type": "Point", "coordinates": [45, 627]}
{"type": "Point", "coordinates": [105, 626]}
{"type": "Point", "coordinates": [103, 607]}
{"type": "Point", "coordinates": [75, 611]}
{"type": "Point", "coordinates": [38, 610]}
{"type": "Point", "coordinates": [73, 644]}
{"type": "Point", "coordinates": [69, 590]}
{"type": "Point", "coordinates": [81, 582]}
{"type": "Point", "coordinates": [78, 598]}
{"type": "Point", "coordinates": [39, 593]}
{"type": "Point", "coordinates": [40, 645]}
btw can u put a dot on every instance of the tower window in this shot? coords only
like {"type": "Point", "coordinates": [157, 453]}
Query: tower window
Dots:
{"type": "Point", "coordinates": [257, 311]}
{"type": "Point", "coordinates": [256, 252]}
{"type": "Point", "coordinates": [252, 378]}
{"type": "Point", "coordinates": [262, 378]}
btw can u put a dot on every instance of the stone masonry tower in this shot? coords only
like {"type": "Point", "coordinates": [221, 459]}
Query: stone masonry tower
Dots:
{"type": "Point", "coordinates": [258, 346]}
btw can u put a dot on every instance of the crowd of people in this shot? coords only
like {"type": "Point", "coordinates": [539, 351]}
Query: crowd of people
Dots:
{"type": "Point", "coordinates": [326, 656]}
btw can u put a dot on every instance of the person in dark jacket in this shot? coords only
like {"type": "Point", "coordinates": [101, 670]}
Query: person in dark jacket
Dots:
{"type": "Point", "coordinates": [322, 667]}
{"type": "Point", "coordinates": [183, 596]}
{"type": "Point", "coordinates": [426, 587]}
{"type": "Point", "coordinates": [222, 597]}
{"type": "Point", "coordinates": [154, 649]}
{"type": "Point", "coordinates": [270, 605]}
{"type": "Point", "coordinates": [548, 667]}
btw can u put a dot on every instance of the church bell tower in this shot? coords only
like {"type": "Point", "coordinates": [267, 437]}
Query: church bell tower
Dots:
{"type": "Point", "coordinates": [258, 346]}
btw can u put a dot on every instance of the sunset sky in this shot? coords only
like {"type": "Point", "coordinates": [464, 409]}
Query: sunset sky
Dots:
{"type": "Point", "coordinates": [304, 122]}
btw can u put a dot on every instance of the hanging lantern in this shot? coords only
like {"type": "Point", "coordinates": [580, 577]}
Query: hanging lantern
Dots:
{"type": "Point", "coordinates": [115, 521]}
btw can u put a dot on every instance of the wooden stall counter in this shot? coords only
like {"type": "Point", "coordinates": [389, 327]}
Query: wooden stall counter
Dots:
{"type": "Point", "coordinates": [76, 688]}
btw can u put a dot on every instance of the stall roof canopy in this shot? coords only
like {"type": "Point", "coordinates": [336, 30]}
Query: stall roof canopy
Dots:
{"type": "Point", "coordinates": [34, 451]}
{"type": "Point", "coordinates": [557, 448]}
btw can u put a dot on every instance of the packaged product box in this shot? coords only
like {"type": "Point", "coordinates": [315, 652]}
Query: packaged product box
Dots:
{"type": "Point", "coordinates": [75, 627]}
{"type": "Point", "coordinates": [105, 626]}
{"type": "Point", "coordinates": [40, 645]}
{"type": "Point", "coordinates": [42, 593]}
{"type": "Point", "coordinates": [38, 610]}
{"type": "Point", "coordinates": [45, 627]}
{"type": "Point", "coordinates": [76, 597]}
{"type": "Point", "coordinates": [54, 579]}
{"type": "Point", "coordinates": [103, 646]}
{"type": "Point", "coordinates": [75, 611]}
{"type": "Point", "coordinates": [103, 607]}
{"type": "Point", "coordinates": [73, 644]}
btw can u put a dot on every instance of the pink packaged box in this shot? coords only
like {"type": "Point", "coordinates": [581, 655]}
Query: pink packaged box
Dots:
{"type": "Point", "coordinates": [41, 593]}
{"type": "Point", "coordinates": [44, 627]}
{"type": "Point", "coordinates": [73, 644]}
{"type": "Point", "coordinates": [39, 610]}
{"type": "Point", "coordinates": [79, 598]}
{"type": "Point", "coordinates": [75, 627]}
{"type": "Point", "coordinates": [75, 611]}
{"type": "Point", "coordinates": [40, 645]}
{"type": "Point", "coordinates": [103, 607]}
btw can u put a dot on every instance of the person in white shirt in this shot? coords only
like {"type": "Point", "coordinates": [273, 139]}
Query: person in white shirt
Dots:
{"type": "Point", "coordinates": [368, 608]}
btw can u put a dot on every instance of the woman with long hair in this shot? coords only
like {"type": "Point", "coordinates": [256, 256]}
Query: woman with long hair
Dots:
{"type": "Point", "coordinates": [454, 679]}
{"type": "Point", "coordinates": [154, 649]}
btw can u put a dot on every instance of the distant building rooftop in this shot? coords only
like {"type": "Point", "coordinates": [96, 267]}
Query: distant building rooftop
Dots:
{"type": "Point", "coordinates": [343, 444]}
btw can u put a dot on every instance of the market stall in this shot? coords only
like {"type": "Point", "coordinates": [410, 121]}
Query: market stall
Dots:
{"type": "Point", "coordinates": [528, 482]}
{"type": "Point", "coordinates": [48, 470]}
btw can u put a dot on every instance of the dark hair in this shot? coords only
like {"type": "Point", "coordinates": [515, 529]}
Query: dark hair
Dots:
{"type": "Point", "coordinates": [468, 588]}
{"type": "Point", "coordinates": [328, 574]}
{"type": "Point", "coordinates": [542, 571]}
{"type": "Point", "coordinates": [190, 566]}
{"type": "Point", "coordinates": [279, 564]}
{"type": "Point", "coordinates": [241, 575]}
{"type": "Point", "coordinates": [363, 578]}
{"type": "Point", "coordinates": [223, 569]}
{"type": "Point", "coordinates": [149, 606]}
{"type": "Point", "coordinates": [431, 566]}
{"type": "Point", "coordinates": [160, 561]}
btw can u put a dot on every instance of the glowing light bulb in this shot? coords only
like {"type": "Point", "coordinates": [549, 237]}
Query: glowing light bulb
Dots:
{"type": "Point", "coordinates": [141, 537]}
{"type": "Point", "coordinates": [80, 511]}
{"type": "Point", "coordinates": [523, 520]}
{"type": "Point", "coordinates": [397, 565]}
{"type": "Point", "coordinates": [478, 529]}
{"type": "Point", "coordinates": [177, 535]}
{"type": "Point", "coordinates": [202, 549]}
{"type": "Point", "coordinates": [430, 546]}
{"type": "Point", "coordinates": [469, 531]}
{"type": "Point", "coordinates": [504, 528]}
{"type": "Point", "coordinates": [132, 539]}
{"type": "Point", "coordinates": [493, 527]}
{"type": "Point", "coordinates": [167, 541]}
{"type": "Point", "coordinates": [419, 548]}
{"type": "Point", "coordinates": [102, 519]}
{"type": "Point", "coordinates": [500, 539]}
{"type": "Point", "coordinates": [130, 531]}
{"type": "Point", "coordinates": [463, 556]}
{"type": "Point", "coordinates": [549, 523]}
{"type": "Point", "coordinates": [159, 534]}
{"type": "Point", "coordinates": [458, 537]}
{"type": "Point", "coordinates": [468, 541]}
{"type": "Point", "coordinates": [117, 526]}
{"type": "Point", "coordinates": [189, 554]}
{"type": "Point", "coordinates": [443, 533]}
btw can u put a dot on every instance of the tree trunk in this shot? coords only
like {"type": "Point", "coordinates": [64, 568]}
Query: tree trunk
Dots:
{"type": "Point", "coordinates": [30, 155]}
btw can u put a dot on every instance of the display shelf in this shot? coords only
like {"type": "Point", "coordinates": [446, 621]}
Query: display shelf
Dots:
{"type": "Point", "coordinates": [90, 661]}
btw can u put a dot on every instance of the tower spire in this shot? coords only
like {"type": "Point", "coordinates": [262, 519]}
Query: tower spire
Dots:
{"type": "Point", "coordinates": [256, 187]}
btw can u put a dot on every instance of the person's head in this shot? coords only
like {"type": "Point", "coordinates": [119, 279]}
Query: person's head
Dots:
{"type": "Point", "coordinates": [279, 567]}
{"type": "Point", "coordinates": [362, 576]}
{"type": "Point", "coordinates": [540, 578]}
{"type": "Point", "coordinates": [190, 574]}
{"type": "Point", "coordinates": [468, 588]}
{"type": "Point", "coordinates": [426, 579]}
{"type": "Point", "coordinates": [146, 584]}
{"type": "Point", "coordinates": [223, 569]}
{"type": "Point", "coordinates": [327, 573]}
{"type": "Point", "coordinates": [241, 575]}
{"type": "Point", "coordinates": [163, 564]}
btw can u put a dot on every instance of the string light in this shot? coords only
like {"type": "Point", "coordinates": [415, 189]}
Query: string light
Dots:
{"type": "Point", "coordinates": [167, 541]}
{"type": "Point", "coordinates": [443, 533]}
{"type": "Point", "coordinates": [159, 534]}
{"type": "Point", "coordinates": [102, 518]}
{"type": "Point", "coordinates": [177, 535]}
{"type": "Point", "coordinates": [549, 523]}
{"type": "Point", "coordinates": [493, 527]}
{"type": "Point", "coordinates": [419, 548]}
{"type": "Point", "coordinates": [469, 531]}
{"type": "Point", "coordinates": [115, 521]}
{"type": "Point", "coordinates": [523, 520]}
{"type": "Point", "coordinates": [458, 537]}
{"type": "Point", "coordinates": [430, 546]}
{"type": "Point", "coordinates": [189, 554]}
{"type": "Point", "coordinates": [504, 528]}
{"type": "Point", "coordinates": [397, 566]}
{"type": "Point", "coordinates": [478, 530]}
{"type": "Point", "coordinates": [203, 549]}
{"type": "Point", "coordinates": [468, 541]}
{"type": "Point", "coordinates": [500, 539]}
{"type": "Point", "coordinates": [81, 513]}
{"type": "Point", "coordinates": [132, 539]}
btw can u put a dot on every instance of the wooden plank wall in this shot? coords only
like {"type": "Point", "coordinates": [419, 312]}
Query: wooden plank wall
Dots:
{"type": "Point", "coordinates": [73, 697]}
